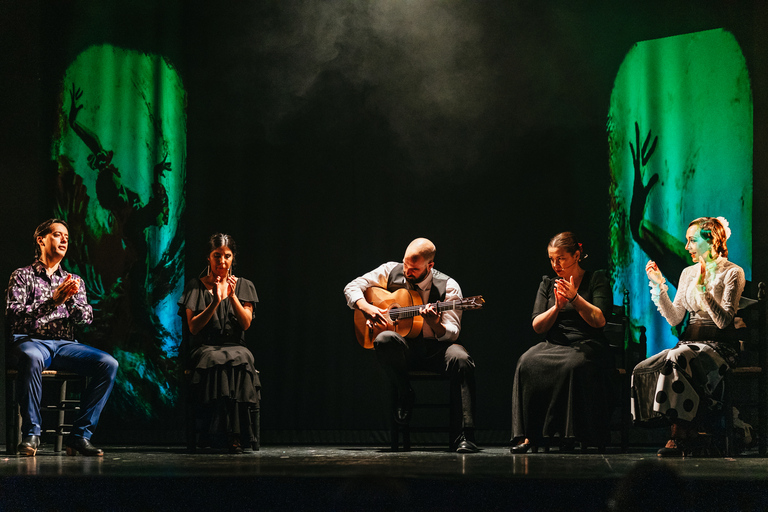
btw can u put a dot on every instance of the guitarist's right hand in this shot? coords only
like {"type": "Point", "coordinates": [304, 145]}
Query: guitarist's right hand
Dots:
{"type": "Point", "coordinates": [375, 315]}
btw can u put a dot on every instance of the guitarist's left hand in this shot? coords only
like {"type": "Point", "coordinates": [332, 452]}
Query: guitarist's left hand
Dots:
{"type": "Point", "coordinates": [433, 319]}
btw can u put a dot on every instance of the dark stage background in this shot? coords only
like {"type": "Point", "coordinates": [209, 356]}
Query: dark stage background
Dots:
{"type": "Point", "coordinates": [324, 136]}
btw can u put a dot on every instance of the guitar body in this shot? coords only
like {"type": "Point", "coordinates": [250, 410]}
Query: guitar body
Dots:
{"type": "Point", "coordinates": [384, 299]}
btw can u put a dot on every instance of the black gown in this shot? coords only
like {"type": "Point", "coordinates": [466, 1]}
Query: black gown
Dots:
{"type": "Point", "coordinates": [561, 384]}
{"type": "Point", "coordinates": [224, 377]}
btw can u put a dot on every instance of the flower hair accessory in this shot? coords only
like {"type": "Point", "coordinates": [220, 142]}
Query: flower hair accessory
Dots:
{"type": "Point", "coordinates": [724, 222]}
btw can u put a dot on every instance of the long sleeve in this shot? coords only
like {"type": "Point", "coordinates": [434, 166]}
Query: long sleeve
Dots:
{"type": "Point", "coordinates": [20, 304]}
{"type": "Point", "coordinates": [674, 312]}
{"type": "Point", "coordinates": [354, 290]}
{"type": "Point", "coordinates": [30, 307]}
{"type": "Point", "coordinates": [723, 312]}
{"type": "Point", "coordinates": [451, 319]}
{"type": "Point", "coordinates": [79, 310]}
{"type": "Point", "coordinates": [718, 301]}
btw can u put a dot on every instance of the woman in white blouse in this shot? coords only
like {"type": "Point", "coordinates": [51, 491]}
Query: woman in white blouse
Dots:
{"type": "Point", "coordinates": [678, 383]}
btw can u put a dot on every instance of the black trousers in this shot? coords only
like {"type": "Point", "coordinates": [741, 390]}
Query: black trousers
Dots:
{"type": "Point", "coordinates": [400, 355]}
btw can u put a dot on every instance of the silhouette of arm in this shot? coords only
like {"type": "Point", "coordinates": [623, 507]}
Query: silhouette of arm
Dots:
{"type": "Point", "coordinates": [88, 137]}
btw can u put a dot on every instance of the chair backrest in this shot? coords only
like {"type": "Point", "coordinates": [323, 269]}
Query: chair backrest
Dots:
{"type": "Point", "coordinates": [617, 332]}
{"type": "Point", "coordinates": [751, 318]}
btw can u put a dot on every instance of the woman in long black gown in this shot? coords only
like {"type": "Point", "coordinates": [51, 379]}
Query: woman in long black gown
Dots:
{"type": "Point", "coordinates": [217, 309]}
{"type": "Point", "coordinates": [560, 384]}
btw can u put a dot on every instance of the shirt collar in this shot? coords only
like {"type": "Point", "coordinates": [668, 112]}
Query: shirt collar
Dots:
{"type": "Point", "coordinates": [40, 270]}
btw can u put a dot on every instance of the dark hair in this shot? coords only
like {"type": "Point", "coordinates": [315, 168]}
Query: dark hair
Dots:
{"type": "Point", "coordinates": [568, 241]}
{"type": "Point", "coordinates": [42, 230]}
{"type": "Point", "coordinates": [222, 240]}
{"type": "Point", "coordinates": [713, 231]}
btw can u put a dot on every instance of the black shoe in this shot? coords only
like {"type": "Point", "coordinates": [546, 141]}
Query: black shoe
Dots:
{"type": "Point", "coordinates": [466, 446]}
{"type": "Point", "coordinates": [671, 449]}
{"type": "Point", "coordinates": [29, 445]}
{"type": "Point", "coordinates": [81, 445]}
{"type": "Point", "coordinates": [234, 445]}
{"type": "Point", "coordinates": [404, 407]}
{"type": "Point", "coordinates": [523, 448]}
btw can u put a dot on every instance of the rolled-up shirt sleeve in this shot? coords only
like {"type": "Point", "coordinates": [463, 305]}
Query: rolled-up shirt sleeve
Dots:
{"type": "Point", "coordinates": [451, 319]}
{"type": "Point", "coordinates": [377, 277]}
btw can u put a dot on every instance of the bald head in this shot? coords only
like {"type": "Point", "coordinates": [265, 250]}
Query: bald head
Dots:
{"type": "Point", "coordinates": [418, 260]}
{"type": "Point", "coordinates": [421, 247]}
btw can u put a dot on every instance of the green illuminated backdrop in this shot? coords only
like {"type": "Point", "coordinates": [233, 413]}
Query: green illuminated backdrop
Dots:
{"type": "Point", "coordinates": [121, 149]}
{"type": "Point", "coordinates": [680, 137]}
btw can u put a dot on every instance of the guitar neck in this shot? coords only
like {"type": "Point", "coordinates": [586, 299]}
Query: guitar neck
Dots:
{"type": "Point", "coordinates": [412, 311]}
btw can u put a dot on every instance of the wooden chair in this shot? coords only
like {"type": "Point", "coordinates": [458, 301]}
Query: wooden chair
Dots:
{"type": "Point", "coordinates": [452, 406]}
{"type": "Point", "coordinates": [67, 403]}
{"type": "Point", "coordinates": [190, 421]}
{"type": "Point", "coordinates": [751, 371]}
{"type": "Point", "coordinates": [190, 416]}
{"type": "Point", "coordinates": [618, 334]}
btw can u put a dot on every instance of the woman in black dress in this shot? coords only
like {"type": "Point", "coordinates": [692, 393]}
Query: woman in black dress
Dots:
{"type": "Point", "coordinates": [216, 310]}
{"type": "Point", "coordinates": [560, 384]}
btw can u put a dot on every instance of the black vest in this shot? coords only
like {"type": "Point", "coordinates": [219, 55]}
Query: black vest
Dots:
{"type": "Point", "coordinates": [396, 281]}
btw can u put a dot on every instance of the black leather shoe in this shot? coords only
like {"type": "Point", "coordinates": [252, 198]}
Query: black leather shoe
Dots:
{"type": "Point", "coordinates": [29, 445]}
{"type": "Point", "coordinates": [523, 448]}
{"type": "Point", "coordinates": [81, 445]}
{"type": "Point", "coordinates": [671, 449]}
{"type": "Point", "coordinates": [466, 446]}
{"type": "Point", "coordinates": [404, 407]}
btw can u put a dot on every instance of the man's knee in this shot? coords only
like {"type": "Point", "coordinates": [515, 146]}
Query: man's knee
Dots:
{"type": "Point", "coordinates": [109, 365]}
{"type": "Point", "coordinates": [386, 340]}
{"type": "Point", "coordinates": [459, 360]}
{"type": "Point", "coordinates": [28, 358]}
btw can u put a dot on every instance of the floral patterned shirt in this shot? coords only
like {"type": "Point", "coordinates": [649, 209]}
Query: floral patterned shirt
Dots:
{"type": "Point", "coordinates": [30, 308]}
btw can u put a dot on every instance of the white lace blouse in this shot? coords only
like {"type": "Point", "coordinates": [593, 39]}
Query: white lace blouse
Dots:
{"type": "Point", "coordinates": [714, 303]}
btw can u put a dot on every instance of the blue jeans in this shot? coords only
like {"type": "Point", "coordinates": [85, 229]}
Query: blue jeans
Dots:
{"type": "Point", "coordinates": [35, 355]}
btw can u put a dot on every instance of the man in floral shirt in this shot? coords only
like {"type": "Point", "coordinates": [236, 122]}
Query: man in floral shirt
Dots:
{"type": "Point", "coordinates": [44, 303]}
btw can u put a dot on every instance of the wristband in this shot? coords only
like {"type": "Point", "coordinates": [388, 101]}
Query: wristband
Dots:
{"type": "Point", "coordinates": [573, 299]}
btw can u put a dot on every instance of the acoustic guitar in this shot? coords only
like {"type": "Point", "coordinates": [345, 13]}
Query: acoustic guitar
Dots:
{"type": "Point", "coordinates": [402, 313]}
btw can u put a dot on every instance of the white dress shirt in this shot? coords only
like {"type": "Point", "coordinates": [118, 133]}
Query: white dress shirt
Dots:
{"type": "Point", "coordinates": [451, 319]}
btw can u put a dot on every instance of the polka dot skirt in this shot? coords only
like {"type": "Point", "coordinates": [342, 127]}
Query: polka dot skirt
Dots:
{"type": "Point", "coordinates": [690, 372]}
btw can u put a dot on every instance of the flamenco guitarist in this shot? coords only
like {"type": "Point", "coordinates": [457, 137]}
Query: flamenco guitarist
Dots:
{"type": "Point", "coordinates": [435, 349]}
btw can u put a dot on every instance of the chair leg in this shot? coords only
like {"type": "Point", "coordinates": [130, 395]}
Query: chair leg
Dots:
{"type": "Point", "coordinates": [455, 413]}
{"type": "Point", "coordinates": [59, 445]}
{"type": "Point", "coordinates": [256, 426]}
{"type": "Point", "coordinates": [394, 428]}
{"type": "Point", "coordinates": [730, 449]}
{"type": "Point", "coordinates": [626, 413]}
{"type": "Point", "coordinates": [12, 418]}
{"type": "Point", "coordinates": [189, 422]}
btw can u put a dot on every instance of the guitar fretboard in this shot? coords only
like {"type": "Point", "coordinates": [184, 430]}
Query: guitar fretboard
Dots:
{"type": "Point", "coordinates": [411, 311]}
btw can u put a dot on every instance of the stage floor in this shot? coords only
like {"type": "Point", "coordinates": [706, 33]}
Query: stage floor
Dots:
{"type": "Point", "coordinates": [361, 478]}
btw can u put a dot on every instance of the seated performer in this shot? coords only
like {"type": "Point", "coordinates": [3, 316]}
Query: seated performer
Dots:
{"type": "Point", "coordinates": [434, 349]}
{"type": "Point", "coordinates": [559, 386]}
{"type": "Point", "coordinates": [217, 309]}
{"type": "Point", "coordinates": [678, 384]}
{"type": "Point", "coordinates": [44, 303]}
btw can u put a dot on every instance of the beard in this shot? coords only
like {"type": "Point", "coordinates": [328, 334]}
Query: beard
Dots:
{"type": "Point", "coordinates": [417, 279]}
